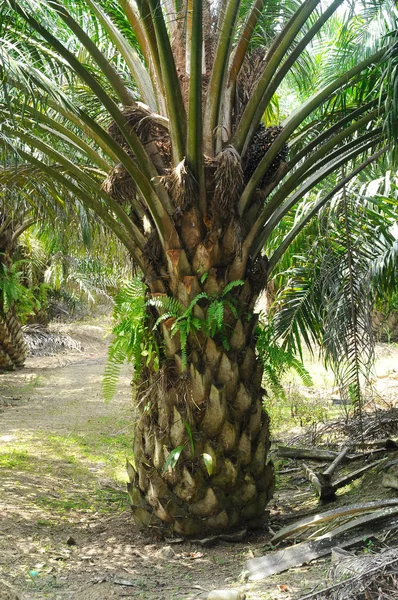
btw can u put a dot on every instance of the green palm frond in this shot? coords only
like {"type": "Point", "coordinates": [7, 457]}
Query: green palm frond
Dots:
{"type": "Point", "coordinates": [326, 298]}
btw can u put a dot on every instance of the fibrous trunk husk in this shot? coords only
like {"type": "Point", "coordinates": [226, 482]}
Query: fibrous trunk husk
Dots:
{"type": "Point", "coordinates": [12, 345]}
{"type": "Point", "coordinates": [211, 410]}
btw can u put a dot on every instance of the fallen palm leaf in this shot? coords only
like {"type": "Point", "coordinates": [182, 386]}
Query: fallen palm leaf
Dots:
{"type": "Point", "coordinates": [303, 553]}
{"type": "Point", "coordinates": [329, 515]}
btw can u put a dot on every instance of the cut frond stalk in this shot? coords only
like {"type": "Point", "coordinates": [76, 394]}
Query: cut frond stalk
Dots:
{"type": "Point", "coordinates": [194, 132]}
{"type": "Point", "coordinates": [159, 203]}
{"type": "Point", "coordinates": [53, 127]}
{"type": "Point", "coordinates": [259, 234]}
{"type": "Point", "coordinates": [315, 161]}
{"type": "Point", "coordinates": [331, 130]}
{"type": "Point", "coordinates": [81, 176]}
{"type": "Point", "coordinates": [237, 58]}
{"type": "Point", "coordinates": [124, 94]}
{"type": "Point", "coordinates": [244, 39]}
{"type": "Point", "coordinates": [134, 20]}
{"type": "Point", "coordinates": [372, 133]}
{"type": "Point", "coordinates": [132, 245]}
{"type": "Point", "coordinates": [63, 106]}
{"type": "Point", "coordinates": [25, 225]}
{"type": "Point", "coordinates": [143, 30]}
{"type": "Point", "coordinates": [133, 61]}
{"type": "Point", "coordinates": [145, 171]}
{"type": "Point", "coordinates": [300, 47]}
{"type": "Point", "coordinates": [82, 122]}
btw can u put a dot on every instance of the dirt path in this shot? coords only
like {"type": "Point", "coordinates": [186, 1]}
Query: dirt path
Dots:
{"type": "Point", "coordinates": [65, 527]}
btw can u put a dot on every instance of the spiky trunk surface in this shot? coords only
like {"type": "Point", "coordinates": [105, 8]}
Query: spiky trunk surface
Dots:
{"type": "Point", "coordinates": [216, 398]}
{"type": "Point", "coordinates": [12, 346]}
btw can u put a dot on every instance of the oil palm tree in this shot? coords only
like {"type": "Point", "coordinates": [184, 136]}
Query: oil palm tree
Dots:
{"type": "Point", "coordinates": [150, 114]}
{"type": "Point", "coordinates": [30, 207]}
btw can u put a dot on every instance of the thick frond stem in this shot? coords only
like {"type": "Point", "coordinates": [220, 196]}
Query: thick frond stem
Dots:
{"type": "Point", "coordinates": [174, 101]}
{"type": "Point", "coordinates": [218, 76]}
{"type": "Point", "coordinates": [299, 115]}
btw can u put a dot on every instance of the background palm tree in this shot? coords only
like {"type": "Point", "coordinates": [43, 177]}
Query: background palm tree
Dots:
{"type": "Point", "coordinates": [325, 289]}
{"type": "Point", "coordinates": [157, 129]}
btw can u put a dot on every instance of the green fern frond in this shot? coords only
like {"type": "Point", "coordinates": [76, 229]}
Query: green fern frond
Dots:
{"type": "Point", "coordinates": [215, 317]}
{"type": "Point", "coordinates": [231, 285]}
{"type": "Point", "coordinates": [232, 306]}
{"type": "Point", "coordinates": [225, 342]}
{"type": "Point", "coordinates": [111, 378]}
{"type": "Point", "coordinates": [168, 304]}
{"type": "Point", "coordinates": [164, 317]}
{"type": "Point", "coordinates": [273, 381]}
{"type": "Point", "coordinates": [133, 340]}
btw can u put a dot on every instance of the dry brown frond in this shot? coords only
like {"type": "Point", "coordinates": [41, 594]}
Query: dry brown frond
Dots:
{"type": "Point", "coordinates": [138, 118]}
{"type": "Point", "coordinates": [369, 577]}
{"type": "Point", "coordinates": [152, 134]}
{"type": "Point", "coordinates": [181, 185]}
{"type": "Point", "coordinates": [119, 185]}
{"type": "Point", "coordinates": [228, 180]}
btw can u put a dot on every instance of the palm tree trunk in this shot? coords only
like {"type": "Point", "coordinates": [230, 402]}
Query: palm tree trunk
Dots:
{"type": "Point", "coordinates": [211, 410]}
{"type": "Point", "coordinates": [12, 346]}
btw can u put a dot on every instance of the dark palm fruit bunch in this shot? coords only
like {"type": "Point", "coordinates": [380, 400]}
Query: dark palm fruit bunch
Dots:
{"type": "Point", "coordinates": [260, 144]}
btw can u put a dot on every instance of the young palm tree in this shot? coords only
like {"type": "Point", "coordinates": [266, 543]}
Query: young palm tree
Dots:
{"type": "Point", "coordinates": [150, 114]}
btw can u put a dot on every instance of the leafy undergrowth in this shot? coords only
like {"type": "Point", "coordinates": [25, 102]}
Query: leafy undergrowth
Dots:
{"type": "Point", "coordinates": [67, 531]}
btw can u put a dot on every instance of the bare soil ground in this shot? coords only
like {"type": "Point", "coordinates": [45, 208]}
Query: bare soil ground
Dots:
{"type": "Point", "coordinates": [66, 532]}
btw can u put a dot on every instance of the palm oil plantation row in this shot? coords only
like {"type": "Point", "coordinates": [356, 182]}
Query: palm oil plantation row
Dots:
{"type": "Point", "coordinates": [208, 137]}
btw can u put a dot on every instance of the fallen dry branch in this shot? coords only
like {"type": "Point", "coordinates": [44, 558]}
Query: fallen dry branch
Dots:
{"type": "Point", "coordinates": [381, 581]}
{"type": "Point", "coordinates": [344, 536]}
{"type": "Point", "coordinates": [377, 426]}
{"type": "Point", "coordinates": [345, 511]}
{"type": "Point", "coordinates": [323, 487]}
{"type": "Point", "coordinates": [385, 443]}
{"type": "Point", "coordinates": [318, 454]}
{"type": "Point", "coordinates": [310, 453]}
{"type": "Point", "coordinates": [41, 341]}
{"type": "Point", "coordinates": [326, 489]}
{"type": "Point", "coordinates": [329, 472]}
{"type": "Point", "coordinates": [356, 474]}
{"type": "Point", "coordinates": [389, 481]}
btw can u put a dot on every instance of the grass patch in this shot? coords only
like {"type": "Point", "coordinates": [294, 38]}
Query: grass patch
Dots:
{"type": "Point", "coordinates": [79, 471]}
{"type": "Point", "coordinates": [93, 500]}
{"type": "Point", "coordinates": [15, 459]}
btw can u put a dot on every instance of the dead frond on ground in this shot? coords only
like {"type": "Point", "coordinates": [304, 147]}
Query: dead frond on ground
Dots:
{"type": "Point", "coordinates": [369, 577]}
